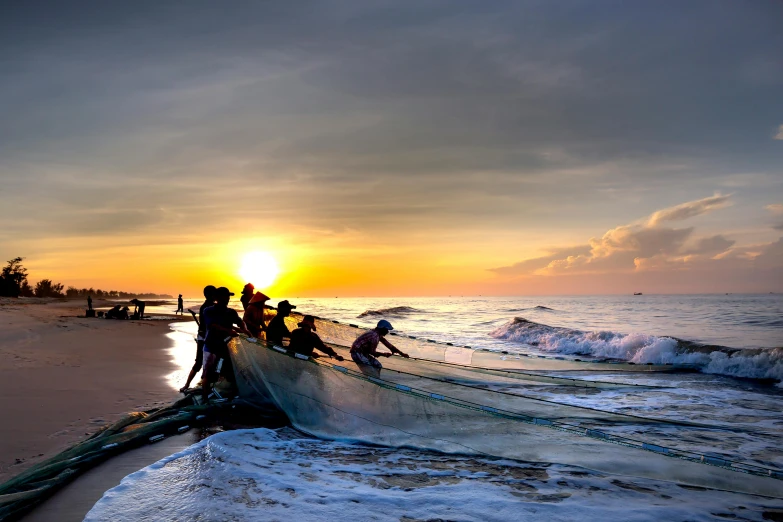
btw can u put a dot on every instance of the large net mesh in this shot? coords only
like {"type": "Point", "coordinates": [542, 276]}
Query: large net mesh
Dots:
{"type": "Point", "coordinates": [456, 407]}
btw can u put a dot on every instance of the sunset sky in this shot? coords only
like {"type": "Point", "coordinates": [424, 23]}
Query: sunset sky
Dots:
{"type": "Point", "coordinates": [395, 148]}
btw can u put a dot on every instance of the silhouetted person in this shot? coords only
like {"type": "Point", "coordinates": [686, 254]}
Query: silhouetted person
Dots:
{"type": "Point", "coordinates": [247, 295]}
{"type": "Point", "coordinates": [304, 340]}
{"type": "Point", "coordinates": [209, 300]}
{"type": "Point", "coordinates": [114, 313]}
{"type": "Point", "coordinates": [123, 313]}
{"type": "Point", "coordinates": [276, 329]}
{"type": "Point", "coordinates": [180, 306]}
{"type": "Point", "coordinates": [222, 323]}
{"type": "Point", "coordinates": [138, 310]}
{"type": "Point", "coordinates": [89, 303]}
{"type": "Point", "coordinates": [364, 348]}
{"type": "Point", "coordinates": [254, 314]}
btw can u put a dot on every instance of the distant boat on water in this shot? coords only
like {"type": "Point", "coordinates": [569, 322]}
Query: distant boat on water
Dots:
{"type": "Point", "coordinates": [637, 293]}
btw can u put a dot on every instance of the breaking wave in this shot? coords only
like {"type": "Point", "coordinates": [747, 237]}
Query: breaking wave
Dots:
{"type": "Point", "coordinates": [643, 348]}
{"type": "Point", "coordinates": [394, 311]}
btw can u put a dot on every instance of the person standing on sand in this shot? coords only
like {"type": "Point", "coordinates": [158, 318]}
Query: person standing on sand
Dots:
{"type": "Point", "coordinates": [209, 300]}
{"type": "Point", "coordinates": [247, 295]}
{"type": "Point", "coordinates": [277, 329]}
{"type": "Point", "coordinates": [304, 340]}
{"type": "Point", "coordinates": [89, 303]}
{"type": "Point", "coordinates": [254, 314]}
{"type": "Point", "coordinates": [364, 348]}
{"type": "Point", "coordinates": [222, 323]}
{"type": "Point", "coordinates": [180, 306]}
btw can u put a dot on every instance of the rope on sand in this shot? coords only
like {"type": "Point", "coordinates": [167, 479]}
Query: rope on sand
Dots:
{"type": "Point", "coordinates": [31, 487]}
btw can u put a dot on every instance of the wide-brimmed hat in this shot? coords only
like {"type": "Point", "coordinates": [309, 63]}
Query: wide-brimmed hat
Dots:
{"type": "Point", "coordinates": [308, 320]}
{"type": "Point", "coordinates": [259, 297]}
{"type": "Point", "coordinates": [247, 287]}
{"type": "Point", "coordinates": [285, 305]}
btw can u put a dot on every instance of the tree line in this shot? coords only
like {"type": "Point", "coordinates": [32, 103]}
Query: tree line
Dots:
{"type": "Point", "coordinates": [13, 283]}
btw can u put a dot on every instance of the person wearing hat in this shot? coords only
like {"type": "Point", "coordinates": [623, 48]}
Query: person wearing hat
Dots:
{"type": "Point", "coordinates": [304, 340]}
{"type": "Point", "coordinates": [276, 329]}
{"type": "Point", "coordinates": [364, 348]}
{"type": "Point", "coordinates": [247, 295]}
{"type": "Point", "coordinates": [209, 300]}
{"type": "Point", "coordinates": [254, 314]}
{"type": "Point", "coordinates": [221, 323]}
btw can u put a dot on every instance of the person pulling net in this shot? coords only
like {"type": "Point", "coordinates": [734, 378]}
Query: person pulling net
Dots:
{"type": "Point", "coordinates": [364, 350]}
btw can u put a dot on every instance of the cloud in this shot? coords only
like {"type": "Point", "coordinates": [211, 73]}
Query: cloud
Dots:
{"type": "Point", "coordinates": [779, 135]}
{"type": "Point", "coordinates": [689, 209]}
{"type": "Point", "coordinates": [636, 247]}
{"type": "Point", "coordinates": [710, 246]}
{"type": "Point", "coordinates": [531, 265]}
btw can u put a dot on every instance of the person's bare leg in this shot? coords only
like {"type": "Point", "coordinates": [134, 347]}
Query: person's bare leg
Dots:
{"type": "Point", "coordinates": [191, 376]}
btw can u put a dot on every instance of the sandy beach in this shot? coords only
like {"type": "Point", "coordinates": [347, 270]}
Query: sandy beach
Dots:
{"type": "Point", "coordinates": [62, 376]}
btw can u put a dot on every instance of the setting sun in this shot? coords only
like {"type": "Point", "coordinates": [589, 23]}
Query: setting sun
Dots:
{"type": "Point", "coordinates": [259, 268]}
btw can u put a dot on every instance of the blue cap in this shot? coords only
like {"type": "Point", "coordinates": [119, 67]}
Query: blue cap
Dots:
{"type": "Point", "coordinates": [383, 323]}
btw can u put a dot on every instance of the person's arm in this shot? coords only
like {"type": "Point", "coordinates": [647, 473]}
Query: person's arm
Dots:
{"type": "Point", "coordinates": [241, 328]}
{"type": "Point", "coordinates": [393, 348]}
{"type": "Point", "coordinates": [326, 349]}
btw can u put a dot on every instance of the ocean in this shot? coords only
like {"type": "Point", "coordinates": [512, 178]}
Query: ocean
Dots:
{"type": "Point", "coordinates": [728, 350]}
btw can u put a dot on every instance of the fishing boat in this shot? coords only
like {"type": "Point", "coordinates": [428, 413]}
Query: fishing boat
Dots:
{"type": "Point", "coordinates": [462, 401]}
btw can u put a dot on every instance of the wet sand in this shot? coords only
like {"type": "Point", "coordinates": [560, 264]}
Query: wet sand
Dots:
{"type": "Point", "coordinates": [71, 503]}
{"type": "Point", "coordinates": [62, 376]}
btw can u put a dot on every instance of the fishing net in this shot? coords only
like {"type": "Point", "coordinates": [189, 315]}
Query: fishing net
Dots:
{"type": "Point", "coordinates": [456, 407]}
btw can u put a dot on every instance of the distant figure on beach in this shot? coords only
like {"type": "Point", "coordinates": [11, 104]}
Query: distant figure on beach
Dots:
{"type": "Point", "coordinates": [209, 300]}
{"type": "Point", "coordinates": [180, 306]}
{"type": "Point", "coordinates": [254, 314]}
{"type": "Point", "coordinates": [138, 310]}
{"type": "Point", "coordinates": [276, 329]}
{"type": "Point", "coordinates": [247, 295]}
{"type": "Point", "coordinates": [89, 303]}
{"type": "Point", "coordinates": [364, 348]}
{"type": "Point", "coordinates": [117, 312]}
{"type": "Point", "coordinates": [222, 323]}
{"type": "Point", "coordinates": [304, 340]}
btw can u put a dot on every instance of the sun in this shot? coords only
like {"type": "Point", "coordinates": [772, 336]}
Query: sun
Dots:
{"type": "Point", "coordinates": [259, 268]}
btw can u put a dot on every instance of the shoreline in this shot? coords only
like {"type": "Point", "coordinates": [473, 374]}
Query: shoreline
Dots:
{"type": "Point", "coordinates": [63, 376]}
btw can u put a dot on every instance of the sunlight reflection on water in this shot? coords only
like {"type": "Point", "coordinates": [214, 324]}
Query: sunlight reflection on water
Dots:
{"type": "Point", "coordinates": [182, 352]}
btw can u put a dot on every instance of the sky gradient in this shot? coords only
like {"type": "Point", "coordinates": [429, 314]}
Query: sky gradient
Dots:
{"type": "Point", "coordinates": [395, 148]}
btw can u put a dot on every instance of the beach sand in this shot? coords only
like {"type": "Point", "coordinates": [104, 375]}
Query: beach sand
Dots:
{"type": "Point", "coordinates": [62, 376]}
{"type": "Point", "coordinates": [71, 503]}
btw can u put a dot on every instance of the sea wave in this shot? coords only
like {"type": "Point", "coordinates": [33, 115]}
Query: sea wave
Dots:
{"type": "Point", "coordinates": [394, 311]}
{"type": "Point", "coordinates": [540, 308]}
{"type": "Point", "coordinates": [643, 348]}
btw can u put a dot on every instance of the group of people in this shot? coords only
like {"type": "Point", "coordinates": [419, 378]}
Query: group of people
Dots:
{"type": "Point", "coordinates": [217, 324]}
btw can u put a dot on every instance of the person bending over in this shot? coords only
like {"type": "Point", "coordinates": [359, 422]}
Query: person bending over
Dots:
{"type": "Point", "coordinates": [222, 323]}
{"type": "Point", "coordinates": [304, 340]}
{"type": "Point", "coordinates": [276, 329]}
{"type": "Point", "coordinates": [209, 300]}
{"type": "Point", "coordinates": [364, 348]}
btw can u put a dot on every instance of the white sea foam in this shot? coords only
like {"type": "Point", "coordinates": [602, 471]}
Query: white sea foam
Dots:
{"type": "Point", "coordinates": [641, 349]}
{"type": "Point", "coordinates": [266, 475]}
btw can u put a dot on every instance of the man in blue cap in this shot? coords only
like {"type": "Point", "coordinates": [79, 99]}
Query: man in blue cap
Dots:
{"type": "Point", "coordinates": [364, 348]}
